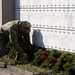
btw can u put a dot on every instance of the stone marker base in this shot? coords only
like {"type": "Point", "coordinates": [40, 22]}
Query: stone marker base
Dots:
{"type": "Point", "coordinates": [20, 71]}
{"type": "Point", "coordinates": [16, 69]}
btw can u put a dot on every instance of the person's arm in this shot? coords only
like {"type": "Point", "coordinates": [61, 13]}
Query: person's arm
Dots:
{"type": "Point", "coordinates": [15, 43]}
{"type": "Point", "coordinates": [14, 40]}
{"type": "Point", "coordinates": [27, 39]}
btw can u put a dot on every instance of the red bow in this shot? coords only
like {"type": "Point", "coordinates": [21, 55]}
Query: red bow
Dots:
{"type": "Point", "coordinates": [42, 57]}
{"type": "Point", "coordinates": [54, 60]}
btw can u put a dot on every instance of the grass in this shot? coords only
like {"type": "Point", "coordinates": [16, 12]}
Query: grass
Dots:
{"type": "Point", "coordinates": [32, 68]}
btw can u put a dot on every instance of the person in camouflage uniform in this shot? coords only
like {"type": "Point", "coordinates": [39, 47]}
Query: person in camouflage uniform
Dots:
{"type": "Point", "coordinates": [17, 32]}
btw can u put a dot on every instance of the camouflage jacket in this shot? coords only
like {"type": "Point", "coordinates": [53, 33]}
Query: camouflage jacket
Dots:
{"type": "Point", "coordinates": [15, 37]}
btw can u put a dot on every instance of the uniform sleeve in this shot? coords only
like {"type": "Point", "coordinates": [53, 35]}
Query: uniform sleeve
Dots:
{"type": "Point", "coordinates": [14, 40]}
{"type": "Point", "coordinates": [27, 42]}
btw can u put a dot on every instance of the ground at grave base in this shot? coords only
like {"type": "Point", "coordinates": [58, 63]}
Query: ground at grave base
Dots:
{"type": "Point", "coordinates": [4, 71]}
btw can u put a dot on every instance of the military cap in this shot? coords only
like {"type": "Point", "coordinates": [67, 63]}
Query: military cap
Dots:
{"type": "Point", "coordinates": [25, 24]}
